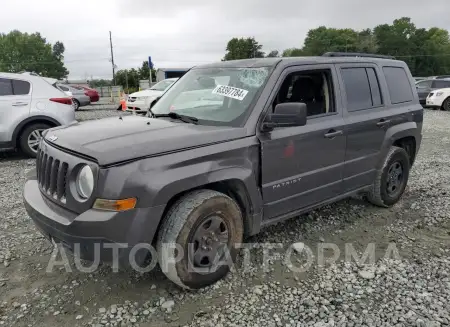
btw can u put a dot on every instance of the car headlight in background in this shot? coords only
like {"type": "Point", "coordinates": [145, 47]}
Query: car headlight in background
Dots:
{"type": "Point", "coordinates": [438, 94]}
{"type": "Point", "coordinates": [85, 182]}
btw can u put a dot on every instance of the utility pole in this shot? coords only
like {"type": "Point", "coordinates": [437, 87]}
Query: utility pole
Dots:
{"type": "Point", "coordinates": [112, 59]}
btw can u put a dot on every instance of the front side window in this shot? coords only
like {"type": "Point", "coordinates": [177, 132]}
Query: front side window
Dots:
{"type": "Point", "coordinates": [313, 88]}
{"type": "Point", "coordinates": [441, 84]}
{"type": "Point", "coordinates": [5, 87]}
{"type": "Point", "coordinates": [424, 84]}
{"type": "Point", "coordinates": [215, 96]}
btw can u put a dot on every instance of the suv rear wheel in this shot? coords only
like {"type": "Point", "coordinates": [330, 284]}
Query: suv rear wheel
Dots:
{"type": "Point", "coordinates": [30, 138]}
{"type": "Point", "coordinates": [206, 226]}
{"type": "Point", "coordinates": [391, 180]}
{"type": "Point", "coordinates": [446, 104]}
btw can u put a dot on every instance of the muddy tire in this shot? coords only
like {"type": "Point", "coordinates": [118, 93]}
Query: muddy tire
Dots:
{"type": "Point", "coordinates": [206, 225]}
{"type": "Point", "coordinates": [390, 182]}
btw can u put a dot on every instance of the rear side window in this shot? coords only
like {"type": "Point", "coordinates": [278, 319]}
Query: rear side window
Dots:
{"type": "Point", "coordinates": [362, 88]}
{"type": "Point", "coordinates": [437, 84]}
{"type": "Point", "coordinates": [5, 87]}
{"type": "Point", "coordinates": [21, 87]}
{"type": "Point", "coordinates": [398, 84]}
{"type": "Point", "coordinates": [63, 88]}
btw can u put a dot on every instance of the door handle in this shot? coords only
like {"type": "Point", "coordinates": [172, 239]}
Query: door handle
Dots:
{"type": "Point", "coordinates": [20, 104]}
{"type": "Point", "coordinates": [333, 133]}
{"type": "Point", "coordinates": [383, 122]}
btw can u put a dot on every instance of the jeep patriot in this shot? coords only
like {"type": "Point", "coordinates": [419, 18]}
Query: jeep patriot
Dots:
{"type": "Point", "coordinates": [229, 149]}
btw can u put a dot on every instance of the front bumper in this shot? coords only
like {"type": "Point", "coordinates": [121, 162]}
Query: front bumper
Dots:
{"type": "Point", "coordinates": [94, 232]}
{"type": "Point", "coordinates": [433, 102]}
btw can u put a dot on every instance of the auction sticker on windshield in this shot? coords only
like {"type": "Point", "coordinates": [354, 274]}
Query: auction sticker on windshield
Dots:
{"type": "Point", "coordinates": [230, 92]}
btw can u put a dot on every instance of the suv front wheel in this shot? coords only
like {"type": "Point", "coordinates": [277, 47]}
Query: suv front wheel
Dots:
{"type": "Point", "coordinates": [391, 180]}
{"type": "Point", "coordinates": [30, 138]}
{"type": "Point", "coordinates": [197, 240]}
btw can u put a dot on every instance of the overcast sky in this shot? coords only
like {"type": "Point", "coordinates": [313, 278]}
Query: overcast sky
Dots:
{"type": "Point", "coordinates": [182, 33]}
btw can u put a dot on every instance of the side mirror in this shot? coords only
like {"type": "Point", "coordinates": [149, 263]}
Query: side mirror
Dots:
{"type": "Point", "coordinates": [286, 115]}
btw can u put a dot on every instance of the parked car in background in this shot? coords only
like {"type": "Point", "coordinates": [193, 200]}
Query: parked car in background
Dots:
{"type": "Point", "coordinates": [79, 98]}
{"type": "Point", "coordinates": [28, 106]}
{"type": "Point", "coordinates": [91, 93]}
{"type": "Point", "coordinates": [439, 99]}
{"type": "Point", "coordinates": [426, 86]}
{"type": "Point", "coordinates": [142, 100]}
{"type": "Point", "coordinates": [439, 77]}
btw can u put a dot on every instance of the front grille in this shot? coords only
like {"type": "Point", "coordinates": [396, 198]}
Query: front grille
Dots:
{"type": "Point", "coordinates": [52, 176]}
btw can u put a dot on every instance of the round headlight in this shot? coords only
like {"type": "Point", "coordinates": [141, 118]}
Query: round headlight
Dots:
{"type": "Point", "coordinates": [85, 182]}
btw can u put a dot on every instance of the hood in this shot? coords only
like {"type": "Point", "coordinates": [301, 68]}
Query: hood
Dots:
{"type": "Point", "coordinates": [146, 93]}
{"type": "Point", "coordinates": [114, 140]}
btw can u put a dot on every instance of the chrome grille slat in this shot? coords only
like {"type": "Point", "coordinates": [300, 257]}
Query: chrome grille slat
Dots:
{"type": "Point", "coordinates": [53, 177]}
{"type": "Point", "coordinates": [48, 171]}
{"type": "Point", "coordinates": [61, 181]}
{"type": "Point", "coordinates": [52, 174]}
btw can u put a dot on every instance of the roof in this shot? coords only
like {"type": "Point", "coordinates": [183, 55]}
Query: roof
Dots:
{"type": "Point", "coordinates": [173, 69]}
{"type": "Point", "coordinates": [28, 77]}
{"type": "Point", "coordinates": [270, 62]}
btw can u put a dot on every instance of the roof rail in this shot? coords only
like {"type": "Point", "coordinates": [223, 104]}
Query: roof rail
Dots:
{"type": "Point", "coordinates": [355, 54]}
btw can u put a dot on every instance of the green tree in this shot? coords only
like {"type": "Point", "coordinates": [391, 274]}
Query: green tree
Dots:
{"type": "Point", "coordinates": [144, 71]}
{"type": "Point", "coordinates": [273, 54]}
{"type": "Point", "coordinates": [99, 83]}
{"type": "Point", "coordinates": [293, 52]}
{"type": "Point", "coordinates": [243, 48]}
{"type": "Point", "coordinates": [31, 52]}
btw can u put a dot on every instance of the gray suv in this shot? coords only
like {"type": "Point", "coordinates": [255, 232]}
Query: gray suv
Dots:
{"type": "Point", "coordinates": [266, 140]}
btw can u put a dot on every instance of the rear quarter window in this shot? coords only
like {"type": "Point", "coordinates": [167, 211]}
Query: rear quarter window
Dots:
{"type": "Point", "coordinates": [5, 87]}
{"type": "Point", "coordinates": [398, 84]}
{"type": "Point", "coordinates": [21, 87]}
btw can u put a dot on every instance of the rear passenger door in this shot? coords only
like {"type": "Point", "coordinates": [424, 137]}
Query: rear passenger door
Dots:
{"type": "Point", "coordinates": [368, 115]}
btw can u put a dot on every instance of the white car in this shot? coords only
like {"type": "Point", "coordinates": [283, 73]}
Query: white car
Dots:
{"type": "Point", "coordinates": [439, 99]}
{"type": "Point", "coordinates": [29, 105]}
{"type": "Point", "coordinates": [141, 101]}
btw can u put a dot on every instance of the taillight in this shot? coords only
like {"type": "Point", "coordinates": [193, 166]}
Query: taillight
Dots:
{"type": "Point", "coordinates": [86, 93]}
{"type": "Point", "coordinates": [67, 101]}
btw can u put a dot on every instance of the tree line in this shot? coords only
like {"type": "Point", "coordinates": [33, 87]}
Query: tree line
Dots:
{"type": "Point", "coordinates": [426, 51]}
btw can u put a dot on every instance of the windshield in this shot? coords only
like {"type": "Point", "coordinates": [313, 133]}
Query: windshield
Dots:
{"type": "Point", "coordinates": [215, 96]}
{"type": "Point", "coordinates": [161, 86]}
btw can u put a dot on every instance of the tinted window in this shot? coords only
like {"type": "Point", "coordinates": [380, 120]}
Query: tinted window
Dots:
{"type": "Point", "coordinates": [441, 84]}
{"type": "Point", "coordinates": [64, 88]}
{"type": "Point", "coordinates": [5, 87]}
{"type": "Point", "coordinates": [398, 84]}
{"type": "Point", "coordinates": [357, 88]}
{"type": "Point", "coordinates": [21, 87]}
{"type": "Point", "coordinates": [374, 87]}
{"type": "Point", "coordinates": [424, 84]}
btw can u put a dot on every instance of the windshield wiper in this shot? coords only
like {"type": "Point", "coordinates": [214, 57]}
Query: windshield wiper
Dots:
{"type": "Point", "coordinates": [183, 118]}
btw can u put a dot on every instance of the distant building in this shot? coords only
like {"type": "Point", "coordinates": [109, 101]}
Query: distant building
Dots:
{"type": "Point", "coordinates": [163, 73]}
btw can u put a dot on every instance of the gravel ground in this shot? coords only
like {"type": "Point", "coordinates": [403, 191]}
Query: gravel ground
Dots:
{"type": "Point", "coordinates": [407, 285]}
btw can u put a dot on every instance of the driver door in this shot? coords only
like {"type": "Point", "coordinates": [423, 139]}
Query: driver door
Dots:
{"type": "Point", "coordinates": [303, 166]}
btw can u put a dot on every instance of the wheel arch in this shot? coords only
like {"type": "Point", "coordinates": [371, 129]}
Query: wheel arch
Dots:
{"type": "Point", "coordinates": [406, 136]}
{"type": "Point", "coordinates": [29, 121]}
{"type": "Point", "coordinates": [235, 187]}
